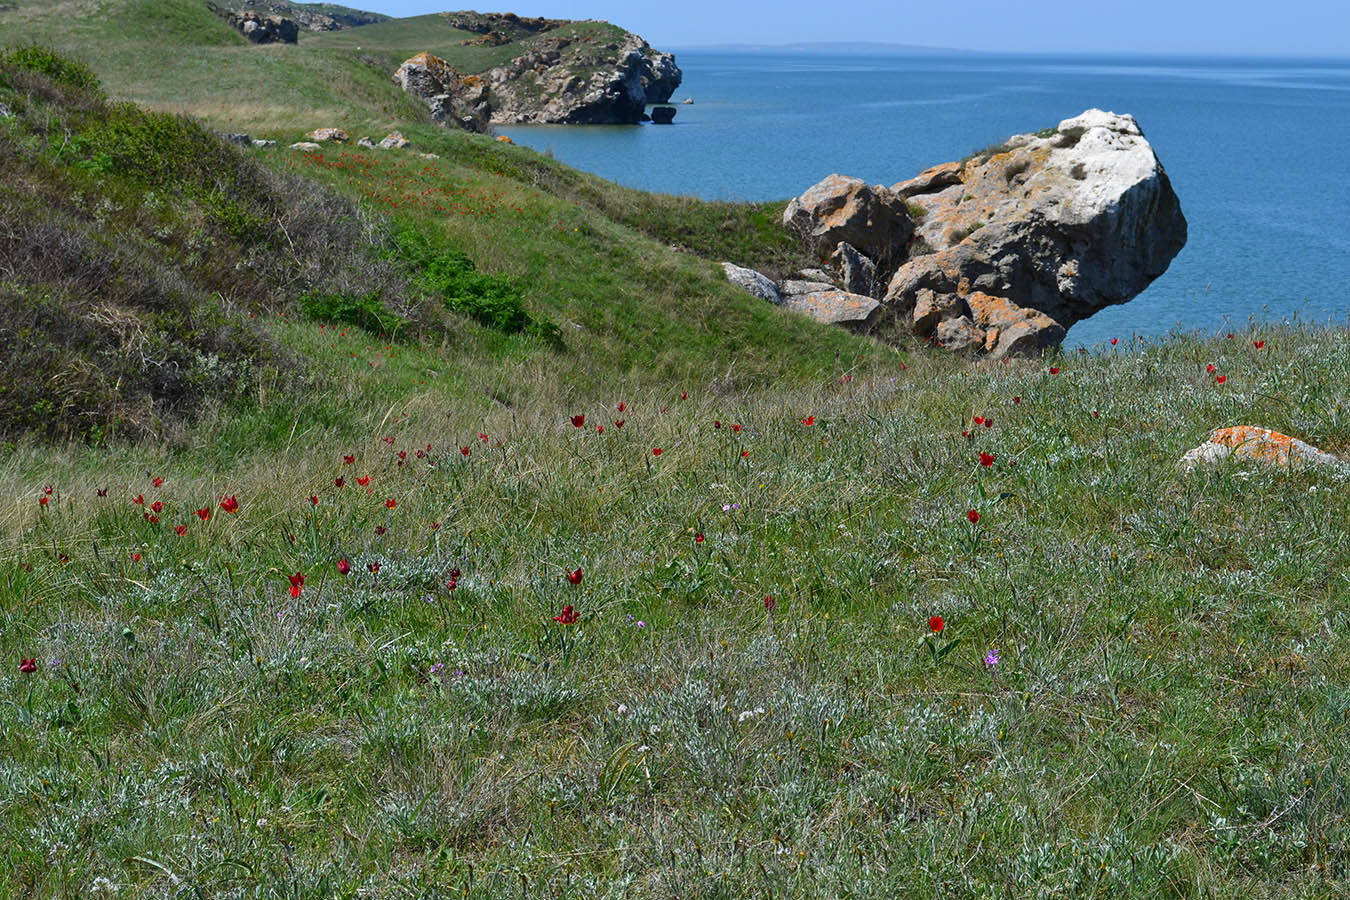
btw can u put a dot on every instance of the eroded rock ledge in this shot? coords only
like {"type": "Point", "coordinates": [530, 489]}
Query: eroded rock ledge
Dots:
{"type": "Point", "coordinates": [1001, 253]}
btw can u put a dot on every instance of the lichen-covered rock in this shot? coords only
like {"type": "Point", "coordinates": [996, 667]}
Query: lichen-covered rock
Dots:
{"type": "Point", "coordinates": [394, 140]}
{"type": "Point", "coordinates": [453, 99]}
{"type": "Point", "coordinates": [263, 144]}
{"type": "Point", "coordinates": [366, 142]}
{"type": "Point", "coordinates": [1265, 446]}
{"type": "Point", "coordinates": [307, 146]}
{"type": "Point", "coordinates": [328, 134]}
{"type": "Point", "coordinates": [835, 307]}
{"type": "Point", "coordinates": [1057, 225]}
{"type": "Point", "coordinates": [754, 282]}
{"type": "Point", "coordinates": [843, 209]}
{"type": "Point", "coordinates": [312, 17]}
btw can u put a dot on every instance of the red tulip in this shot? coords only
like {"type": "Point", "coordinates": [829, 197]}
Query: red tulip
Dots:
{"type": "Point", "coordinates": [374, 567]}
{"type": "Point", "coordinates": [622, 406]}
{"type": "Point", "coordinates": [157, 482]}
{"type": "Point", "coordinates": [42, 501]}
{"type": "Point", "coordinates": [387, 440]}
{"type": "Point", "coordinates": [1211, 368]}
{"type": "Point", "coordinates": [809, 421]}
{"type": "Point", "coordinates": [230, 504]}
{"type": "Point", "coordinates": [1221, 379]}
{"type": "Point", "coordinates": [313, 499]}
{"type": "Point", "coordinates": [656, 451]}
{"type": "Point", "coordinates": [27, 666]}
{"type": "Point", "coordinates": [204, 514]}
{"type": "Point", "coordinates": [935, 624]}
{"type": "Point", "coordinates": [684, 395]}
{"type": "Point", "coordinates": [1054, 370]}
{"type": "Point", "coordinates": [102, 492]}
{"type": "Point", "coordinates": [769, 602]}
{"type": "Point", "coordinates": [139, 500]}
{"type": "Point", "coordinates": [1230, 335]}
{"type": "Point", "coordinates": [1017, 399]}
{"type": "Point", "coordinates": [297, 582]}
{"type": "Point", "coordinates": [344, 567]}
{"type": "Point", "coordinates": [348, 459]}
{"type": "Point", "coordinates": [135, 557]}
{"type": "Point", "coordinates": [736, 428]}
{"type": "Point", "coordinates": [390, 503]}
{"type": "Point", "coordinates": [988, 423]}
{"type": "Point", "coordinates": [744, 454]}
{"type": "Point", "coordinates": [363, 481]}
{"type": "Point", "coordinates": [716, 424]}
{"type": "Point", "coordinates": [568, 616]}
{"type": "Point", "coordinates": [698, 538]}
{"type": "Point", "coordinates": [618, 423]}
{"type": "Point", "coordinates": [380, 530]}
{"type": "Point", "coordinates": [1115, 341]}
{"type": "Point", "coordinates": [986, 459]}
{"type": "Point", "coordinates": [47, 489]}
{"type": "Point", "coordinates": [339, 481]}
{"type": "Point", "coordinates": [973, 516]}
{"type": "Point", "coordinates": [574, 577]}
{"type": "Point", "coordinates": [451, 584]}
{"type": "Point", "coordinates": [464, 451]}
{"type": "Point", "coordinates": [979, 420]}
{"type": "Point", "coordinates": [482, 437]}
{"type": "Point", "coordinates": [455, 574]}
{"type": "Point", "coordinates": [1258, 344]}
{"type": "Point", "coordinates": [152, 519]}
{"type": "Point", "coordinates": [180, 530]}
{"type": "Point", "coordinates": [579, 420]}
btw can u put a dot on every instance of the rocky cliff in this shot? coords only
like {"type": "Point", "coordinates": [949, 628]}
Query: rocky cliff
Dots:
{"type": "Point", "coordinates": [562, 76]}
{"type": "Point", "coordinates": [309, 16]}
{"type": "Point", "coordinates": [1000, 253]}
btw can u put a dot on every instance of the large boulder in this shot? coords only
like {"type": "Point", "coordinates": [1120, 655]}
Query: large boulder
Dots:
{"type": "Point", "coordinates": [842, 209]}
{"type": "Point", "coordinates": [453, 99]}
{"type": "Point", "coordinates": [663, 115]}
{"type": "Point", "coordinates": [835, 307]}
{"type": "Point", "coordinates": [1025, 239]}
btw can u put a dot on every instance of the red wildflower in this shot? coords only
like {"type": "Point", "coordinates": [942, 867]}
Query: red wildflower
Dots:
{"type": "Point", "coordinates": [568, 616]}
{"type": "Point", "coordinates": [339, 481]}
{"type": "Point", "coordinates": [1017, 399]}
{"type": "Point", "coordinates": [744, 454]}
{"type": "Point", "coordinates": [579, 420]}
{"type": "Point", "coordinates": [979, 420]}
{"type": "Point", "coordinates": [1054, 370]}
{"type": "Point", "coordinates": [809, 421]}
{"type": "Point", "coordinates": [455, 573]}
{"type": "Point", "coordinates": [1258, 344]}
{"type": "Point", "coordinates": [698, 538]}
{"type": "Point", "coordinates": [989, 423]}
{"type": "Point", "coordinates": [29, 666]}
{"type": "Point", "coordinates": [935, 624]}
{"type": "Point", "coordinates": [451, 584]}
{"type": "Point", "coordinates": [102, 492]}
{"type": "Point", "coordinates": [973, 516]}
{"type": "Point", "coordinates": [297, 582]}
{"type": "Point", "coordinates": [380, 530]}
{"type": "Point", "coordinates": [482, 437]}
{"type": "Point", "coordinates": [736, 428]}
{"type": "Point", "coordinates": [47, 489]}
{"type": "Point", "coordinates": [769, 602]}
{"type": "Point", "coordinates": [153, 520]}
{"type": "Point", "coordinates": [390, 503]}
{"type": "Point", "coordinates": [157, 506]}
{"type": "Point", "coordinates": [313, 499]}
{"type": "Point", "coordinates": [139, 500]}
{"type": "Point", "coordinates": [435, 526]}
{"type": "Point", "coordinates": [684, 395]}
{"type": "Point", "coordinates": [135, 557]}
{"type": "Point", "coordinates": [374, 567]}
{"type": "Point", "coordinates": [464, 450]}
{"type": "Point", "coordinates": [387, 440]}
{"type": "Point", "coordinates": [1211, 368]}
{"type": "Point", "coordinates": [344, 567]}
{"type": "Point", "coordinates": [157, 482]}
{"type": "Point", "coordinates": [230, 504]}
{"type": "Point", "coordinates": [574, 577]}
{"type": "Point", "coordinates": [348, 459]}
{"type": "Point", "coordinates": [1221, 379]}
{"type": "Point", "coordinates": [204, 514]}
{"type": "Point", "coordinates": [1230, 335]}
{"type": "Point", "coordinates": [42, 501]}
{"type": "Point", "coordinates": [1096, 414]}
{"type": "Point", "coordinates": [622, 406]}
{"type": "Point", "coordinates": [363, 480]}
{"type": "Point", "coordinates": [1115, 341]}
{"type": "Point", "coordinates": [618, 423]}
{"type": "Point", "coordinates": [180, 530]}
{"type": "Point", "coordinates": [986, 459]}
{"type": "Point", "coordinates": [656, 451]}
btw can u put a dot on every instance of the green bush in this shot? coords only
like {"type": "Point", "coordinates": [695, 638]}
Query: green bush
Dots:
{"type": "Point", "coordinates": [449, 274]}
{"type": "Point", "coordinates": [364, 312]}
{"type": "Point", "coordinates": [58, 68]}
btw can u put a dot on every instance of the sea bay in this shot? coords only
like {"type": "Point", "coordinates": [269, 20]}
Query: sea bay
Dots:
{"type": "Point", "coordinates": [1257, 150]}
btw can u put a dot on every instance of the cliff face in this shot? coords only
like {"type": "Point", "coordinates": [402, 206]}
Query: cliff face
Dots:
{"type": "Point", "coordinates": [310, 16]}
{"type": "Point", "coordinates": [565, 76]}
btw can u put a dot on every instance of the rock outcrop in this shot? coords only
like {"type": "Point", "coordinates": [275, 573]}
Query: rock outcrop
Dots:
{"type": "Point", "coordinates": [264, 29]}
{"type": "Point", "coordinates": [1001, 253]}
{"type": "Point", "coordinates": [754, 282]}
{"type": "Point", "coordinates": [559, 79]}
{"type": "Point", "coordinates": [663, 115]}
{"type": "Point", "coordinates": [452, 99]}
{"type": "Point", "coordinates": [312, 17]}
{"type": "Point", "coordinates": [821, 300]}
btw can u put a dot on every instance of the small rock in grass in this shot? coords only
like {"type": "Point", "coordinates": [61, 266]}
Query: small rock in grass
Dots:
{"type": "Point", "coordinates": [394, 140]}
{"type": "Point", "coordinates": [1262, 445]}
{"type": "Point", "coordinates": [263, 144]}
{"type": "Point", "coordinates": [328, 134]}
{"type": "Point", "coordinates": [756, 283]}
{"type": "Point", "coordinates": [365, 142]}
{"type": "Point", "coordinates": [307, 146]}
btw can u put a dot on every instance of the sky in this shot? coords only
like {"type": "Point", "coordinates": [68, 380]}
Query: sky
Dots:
{"type": "Point", "coordinates": [1188, 27]}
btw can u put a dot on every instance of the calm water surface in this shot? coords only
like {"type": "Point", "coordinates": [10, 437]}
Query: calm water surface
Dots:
{"type": "Point", "coordinates": [1258, 151]}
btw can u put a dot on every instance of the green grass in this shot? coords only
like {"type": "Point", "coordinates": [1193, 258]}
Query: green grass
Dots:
{"type": "Point", "coordinates": [1166, 717]}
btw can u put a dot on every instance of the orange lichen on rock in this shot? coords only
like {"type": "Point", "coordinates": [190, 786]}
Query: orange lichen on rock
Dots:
{"type": "Point", "coordinates": [1263, 445]}
{"type": "Point", "coordinates": [504, 139]}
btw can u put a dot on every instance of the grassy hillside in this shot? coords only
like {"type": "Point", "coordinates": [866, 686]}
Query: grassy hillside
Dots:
{"type": "Point", "coordinates": [841, 621]}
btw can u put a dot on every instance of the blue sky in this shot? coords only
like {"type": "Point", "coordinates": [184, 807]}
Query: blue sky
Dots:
{"type": "Point", "coordinates": [1242, 27]}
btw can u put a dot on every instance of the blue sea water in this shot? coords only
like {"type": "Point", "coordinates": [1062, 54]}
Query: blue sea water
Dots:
{"type": "Point", "coordinates": [1257, 150]}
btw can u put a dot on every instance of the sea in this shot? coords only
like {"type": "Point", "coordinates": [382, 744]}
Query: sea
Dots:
{"type": "Point", "coordinates": [1258, 150]}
